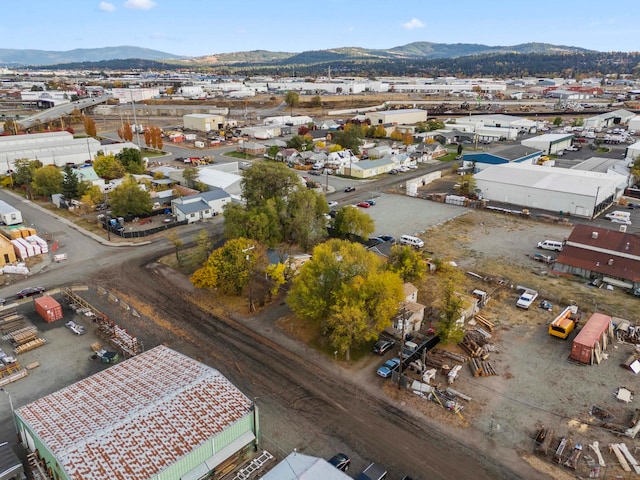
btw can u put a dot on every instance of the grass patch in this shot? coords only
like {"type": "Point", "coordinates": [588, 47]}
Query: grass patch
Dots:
{"type": "Point", "coordinates": [240, 155]}
{"type": "Point", "coordinates": [153, 153]}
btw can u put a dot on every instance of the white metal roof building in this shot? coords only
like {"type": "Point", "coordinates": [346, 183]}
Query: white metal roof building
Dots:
{"type": "Point", "coordinates": [159, 415]}
{"type": "Point", "coordinates": [574, 192]}
{"type": "Point", "coordinates": [54, 148]}
{"type": "Point", "coordinates": [549, 143]}
{"type": "Point", "coordinates": [405, 116]}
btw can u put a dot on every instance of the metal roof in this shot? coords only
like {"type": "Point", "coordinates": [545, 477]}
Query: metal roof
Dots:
{"type": "Point", "coordinates": [136, 418]}
{"type": "Point", "coordinates": [610, 252]}
{"type": "Point", "coordinates": [514, 152]}
{"type": "Point", "coordinates": [552, 179]}
{"type": "Point", "coordinates": [298, 466]}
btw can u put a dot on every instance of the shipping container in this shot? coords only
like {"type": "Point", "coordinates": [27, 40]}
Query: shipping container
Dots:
{"type": "Point", "coordinates": [592, 340]}
{"type": "Point", "coordinates": [48, 308]}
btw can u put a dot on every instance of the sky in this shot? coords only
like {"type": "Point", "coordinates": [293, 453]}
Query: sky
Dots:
{"type": "Point", "coordinates": [206, 27]}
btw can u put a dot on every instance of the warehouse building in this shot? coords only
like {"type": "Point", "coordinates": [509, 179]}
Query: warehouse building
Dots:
{"type": "Point", "coordinates": [406, 116]}
{"type": "Point", "coordinates": [159, 415]}
{"type": "Point", "coordinates": [549, 143]}
{"type": "Point", "coordinates": [571, 192]}
{"type": "Point", "coordinates": [203, 122]}
{"type": "Point", "coordinates": [55, 148]}
{"type": "Point", "coordinates": [607, 256]}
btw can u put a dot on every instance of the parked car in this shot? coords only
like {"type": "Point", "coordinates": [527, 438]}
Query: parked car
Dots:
{"type": "Point", "coordinates": [387, 238]}
{"type": "Point", "coordinates": [526, 299]}
{"type": "Point", "coordinates": [29, 291]}
{"type": "Point", "coordinates": [340, 461]}
{"type": "Point", "coordinates": [633, 206]}
{"type": "Point", "coordinates": [363, 205]}
{"type": "Point", "coordinates": [2, 302]}
{"type": "Point", "coordinates": [382, 346]}
{"type": "Point", "coordinates": [370, 202]}
{"type": "Point", "coordinates": [393, 171]}
{"type": "Point", "coordinates": [387, 367]}
{"type": "Point", "coordinates": [332, 204]}
{"type": "Point", "coordinates": [350, 188]}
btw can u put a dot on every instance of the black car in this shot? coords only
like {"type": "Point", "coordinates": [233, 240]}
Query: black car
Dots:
{"type": "Point", "coordinates": [340, 461]}
{"type": "Point", "coordinates": [387, 238]}
{"type": "Point", "coordinates": [29, 291]}
{"type": "Point", "coordinates": [349, 189]}
{"type": "Point", "coordinates": [383, 346]}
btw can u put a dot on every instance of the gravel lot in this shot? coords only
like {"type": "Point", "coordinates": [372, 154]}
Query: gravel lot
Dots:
{"type": "Point", "coordinates": [536, 384]}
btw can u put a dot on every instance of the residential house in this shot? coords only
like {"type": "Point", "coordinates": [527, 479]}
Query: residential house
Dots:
{"type": "Point", "coordinates": [411, 314]}
{"type": "Point", "coordinates": [89, 175]}
{"type": "Point", "coordinates": [200, 206]}
{"type": "Point", "coordinates": [251, 148]}
{"type": "Point", "coordinates": [341, 161]}
{"type": "Point", "coordinates": [321, 135]}
{"type": "Point", "coordinates": [426, 152]}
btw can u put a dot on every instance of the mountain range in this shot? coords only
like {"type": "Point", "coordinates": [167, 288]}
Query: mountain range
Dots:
{"type": "Point", "coordinates": [411, 51]}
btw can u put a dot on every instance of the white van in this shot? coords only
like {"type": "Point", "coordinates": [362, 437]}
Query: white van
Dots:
{"type": "Point", "coordinates": [411, 241]}
{"type": "Point", "coordinates": [619, 216]}
{"type": "Point", "coordinates": [551, 245]}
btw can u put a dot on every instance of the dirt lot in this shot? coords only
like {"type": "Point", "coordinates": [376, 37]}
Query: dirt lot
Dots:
{"type": "Point", "coordinates": [536, 383]}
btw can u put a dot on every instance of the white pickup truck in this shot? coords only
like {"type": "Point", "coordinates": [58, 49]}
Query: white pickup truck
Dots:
{"type": "Point", "coordinates": [527, 298]}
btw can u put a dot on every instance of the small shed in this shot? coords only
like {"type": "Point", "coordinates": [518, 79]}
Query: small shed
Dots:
{"type": "Point", "coordinates": [592, 340]}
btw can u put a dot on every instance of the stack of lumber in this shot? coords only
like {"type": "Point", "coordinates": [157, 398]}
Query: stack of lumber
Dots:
{"type": "Point", "coordinates": [11, 322]}
{"type": "Point", "coordinates": [484, 322]}
{"type": "Point", "coordinates": [22, 336]}
{"type": "Point", "coordinates": [481, 368]}
{"type": "Point", "coordinates": [33, 344]}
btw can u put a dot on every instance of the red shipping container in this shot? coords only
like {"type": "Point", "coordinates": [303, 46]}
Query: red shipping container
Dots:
{"type": "Point", "coordinates": [48, 308]}
{"type": "Point", "coordinates": [590, 337]}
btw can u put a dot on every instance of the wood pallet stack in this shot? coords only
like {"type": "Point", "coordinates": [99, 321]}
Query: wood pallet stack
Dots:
{"type": "Point", "coordinates": [481, 368]}
{"type": "Point", "coordinates": [22, 336]}
{"type": "Point", "coordinates": [32, 345]}
{"type": "Point", "coordinates": [10, 323]}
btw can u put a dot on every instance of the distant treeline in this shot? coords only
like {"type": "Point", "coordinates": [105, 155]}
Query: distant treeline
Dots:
{"type": "Point", "coordinates": [507, 65]}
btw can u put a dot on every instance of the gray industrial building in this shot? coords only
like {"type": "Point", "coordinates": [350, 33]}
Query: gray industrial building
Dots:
{"type": "Point", "coordinates": [572, 192]}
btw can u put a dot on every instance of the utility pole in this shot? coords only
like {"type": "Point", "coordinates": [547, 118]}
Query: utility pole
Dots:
{"type": "Point", "coordinates": [403, 317]}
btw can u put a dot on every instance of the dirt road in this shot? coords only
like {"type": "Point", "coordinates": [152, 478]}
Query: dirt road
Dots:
{"type": "Point", "coordinates": [306, 402]}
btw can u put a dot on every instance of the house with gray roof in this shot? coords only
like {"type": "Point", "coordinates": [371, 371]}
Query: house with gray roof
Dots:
{"type": "Point", "coordinates": [200, 206]}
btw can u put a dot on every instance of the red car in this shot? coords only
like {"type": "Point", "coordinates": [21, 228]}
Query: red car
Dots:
{"type": "Point", "coordinates": [363, 204]}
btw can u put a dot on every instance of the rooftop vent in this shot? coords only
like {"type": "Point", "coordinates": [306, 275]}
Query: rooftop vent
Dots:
{"type": "Point", "coordinates": [594, 235]}
{"type": "Point", "coordinates": [610, 262]}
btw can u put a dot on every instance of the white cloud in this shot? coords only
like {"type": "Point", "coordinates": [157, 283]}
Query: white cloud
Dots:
{"type": "Point", "coordinates": [106, 7]}
{"type": "Point", "coordinates": [412, 24]}
{"type": "Point", "coordinates": [140, 4]}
